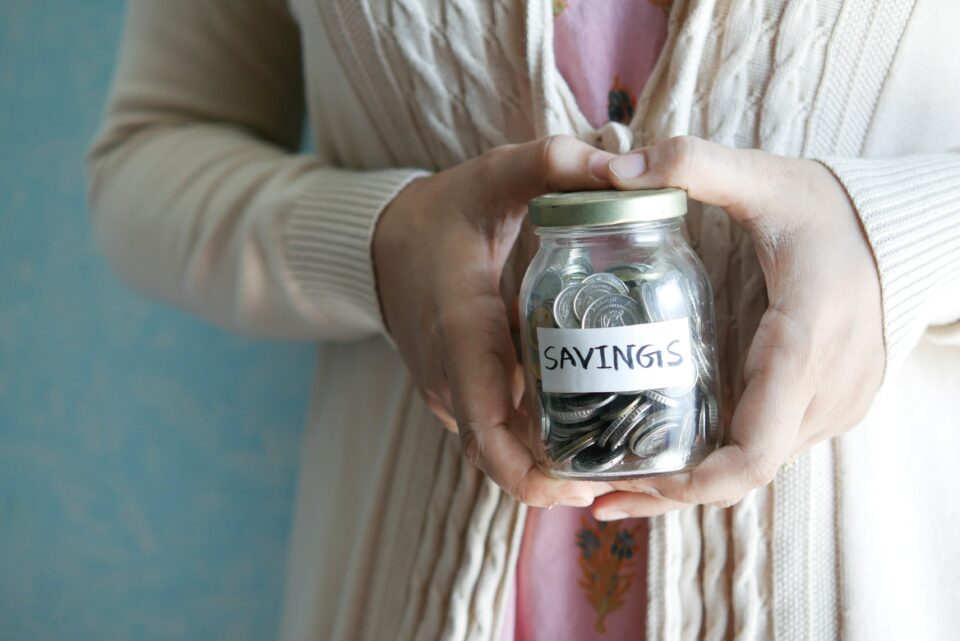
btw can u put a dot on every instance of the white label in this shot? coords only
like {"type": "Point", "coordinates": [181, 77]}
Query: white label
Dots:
{"type": "Point", "coordinates": [616, 359]}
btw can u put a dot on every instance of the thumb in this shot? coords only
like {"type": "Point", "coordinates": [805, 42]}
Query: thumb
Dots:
{"type": "Point", "coordinates": [553, 163]}
{"type": "Point", "coordinates": [738, 180]}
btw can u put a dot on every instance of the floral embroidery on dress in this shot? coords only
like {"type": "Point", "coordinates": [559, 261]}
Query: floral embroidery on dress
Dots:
{"type": "Point", "coordinates": [559, 6]}
{"type": "Point", "coordinates": [620, 102]}
{"type": "Point", "coordinates": [605, 551]}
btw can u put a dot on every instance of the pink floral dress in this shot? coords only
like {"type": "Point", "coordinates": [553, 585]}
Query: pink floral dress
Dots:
{"type": "Point", "coordinates": [577, 578]}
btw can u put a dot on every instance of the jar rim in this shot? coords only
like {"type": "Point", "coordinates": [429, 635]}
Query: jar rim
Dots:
{"type": "Point", "coordinates": [606, 207]}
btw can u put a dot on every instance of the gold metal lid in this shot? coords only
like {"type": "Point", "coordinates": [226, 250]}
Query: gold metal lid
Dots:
{"type": "Point", "coordinates": [608, 207]}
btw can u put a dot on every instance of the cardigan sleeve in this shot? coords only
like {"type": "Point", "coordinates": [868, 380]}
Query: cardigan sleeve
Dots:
{"type": "Point", "coordinates": [910, 211]}
{"type": "Point", "coordinates": [197, 194]}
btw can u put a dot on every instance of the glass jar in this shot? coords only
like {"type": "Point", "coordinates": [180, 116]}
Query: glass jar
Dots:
{"type": "Point", "coordinates": [618, 340]}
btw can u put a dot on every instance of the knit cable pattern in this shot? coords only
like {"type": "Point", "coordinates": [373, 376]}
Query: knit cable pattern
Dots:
{"type": "Point", "coordinates": [742, 73]}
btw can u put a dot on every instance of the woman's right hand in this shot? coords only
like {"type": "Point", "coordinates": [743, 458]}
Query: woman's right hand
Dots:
{"type": "Point", "coordinates": [440, 249]}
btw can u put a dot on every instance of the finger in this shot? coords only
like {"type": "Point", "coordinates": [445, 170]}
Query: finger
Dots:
{"type": "Point", "coordinates": [554, 163]}
{"type": "Point", "coordinates": [622, 505]}
{"type": "Point", "coordinates": [440, 406]}
{"type": "Point", "coordinates": [479, 361]}
{"type": "Point", "coordinates": [763, 433]}
{"type": "Point", "coordinates": [739, 180]}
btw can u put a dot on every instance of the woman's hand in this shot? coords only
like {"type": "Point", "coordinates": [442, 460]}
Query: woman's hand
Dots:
{"type": "Point", "coordinates": [440, 249]}
{"type": "Point", "coordinates": [817, 358]}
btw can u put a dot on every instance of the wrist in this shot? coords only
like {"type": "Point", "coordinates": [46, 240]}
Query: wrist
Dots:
{"type": "Point", "coordinates": [391, 241]}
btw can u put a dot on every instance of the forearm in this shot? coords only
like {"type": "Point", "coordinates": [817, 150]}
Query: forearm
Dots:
{"type": "Point", "coordinates": [241, 232]}
{"type": "Point", "coordinates": [910, 211]}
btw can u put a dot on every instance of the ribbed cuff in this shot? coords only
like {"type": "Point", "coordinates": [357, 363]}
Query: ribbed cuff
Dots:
{"type": "Point", "coordinates": [327, 240]}
{"type": "Point", "coordinates": [910, 209]}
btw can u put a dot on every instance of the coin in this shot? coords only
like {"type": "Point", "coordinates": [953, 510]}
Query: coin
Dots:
{"type": "Point", "coordinates": [688, 433]}
{"type": "Point", "coordinates": [575, 410]}
{"type": "Point", "coordinates": [711, 413]}
{"type": "Point", "coordinates": [619, 427]}
{"type": "Point", "coordinates": [594, 288]}
{"type": "Point", "coordinates": [633, 272]}
{"type": "Point", "coordinates": [654, 435]}
{"type": "Point", "coordinates": [650, 442]}
{"type": "Point", "coordinates": [662, 399]}
{"type": "Point", "coordinates": [547, 286]}
{"type": "Point", "coordinates": [545, 428]}
{"type": "Point", "coordinates": [612, 311]}
{"type": "Point", "coordinates": [621, 405]}
{"type": "Point", "coordinates": [541, 316]}
{"type": "Point", "coordinates": [563, 308]}
{"type": "Point", "coordinates": [664, 299]}
{"type": "Point", "coordinates": [577, 270]}
{"type": "Point", "coordinates": [597, 459]}
{"type": "Point", "coordinates": [561, 455]}
{"type": "Point", "coordinates": [563, 432]}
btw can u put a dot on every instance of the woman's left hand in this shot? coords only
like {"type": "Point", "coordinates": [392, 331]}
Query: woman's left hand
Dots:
{"type": "Point", "coordinates": [817, 358]}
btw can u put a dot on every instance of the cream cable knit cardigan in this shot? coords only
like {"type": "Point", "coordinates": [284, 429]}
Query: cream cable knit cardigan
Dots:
{"type": "Point", "coordinates": [200, 200]}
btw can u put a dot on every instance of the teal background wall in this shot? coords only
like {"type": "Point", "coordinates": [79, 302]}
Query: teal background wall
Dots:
{"type": "Point", "coordinates": [147, 461]}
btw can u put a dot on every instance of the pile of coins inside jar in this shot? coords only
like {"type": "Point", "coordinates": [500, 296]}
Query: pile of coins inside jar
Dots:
{"type": "Point", "coordinates": [651, 430]}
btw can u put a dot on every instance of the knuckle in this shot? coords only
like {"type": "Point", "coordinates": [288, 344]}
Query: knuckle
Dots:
{"type": "Point", "coordinates": [681, 153]}
{"type": "Point", "coordinates": [759, 470]}
{"type": "Point", "coordinates": [547, 154]}
{"type": "Point", "coordinates": [692, 492]}
{"type": "Point", "coordinates": [524, 491]}
{"type": "Point", "coordinates": [470, 443]}
{"type": "Point", "coordinates": [529, 491]}
{"type": "Point", "coordinates": [727, 502]}
{"type": "Point", "coordinates": [551, 151]}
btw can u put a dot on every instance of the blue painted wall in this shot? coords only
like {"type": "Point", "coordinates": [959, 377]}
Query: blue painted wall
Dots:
{"type": "Point", "coordinates": [147, 462]}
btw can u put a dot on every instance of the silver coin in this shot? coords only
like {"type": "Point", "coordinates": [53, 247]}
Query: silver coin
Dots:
{"type": "Point", "coordinates": [608, 279]}
{"type": "Point", "coordinates": [665, 299]}
{"type": "Point", "coordinates": [570, 411]}
{"type": "Point", "coordinates": [597, 459]}
{"type": "Point", "coordinates": [568, 451]}
{"type": "Point", "coordinates": [578, 269]}
{"type": "Point", "coordinates": [688, 433]}
{"type": "Point", "coordinates": [654, 435]}
{"type": "Point", "coordinates": [619, 427]}
{"type": "Point", "coordinates": [621, 405]}
{"type": "Point", "coordinates": [596, 401]}
{"type": "Point", "coordinates": [545, 428]}
{"type": "Point", "coordinates": [563, 314]}
{"type": "Point", "coordinates": [612, 311]}
{"type": "Point", "coordinates": [541, 316]}
{"type": "Point", "coordinates": [589, 400]}
{"type": "Point", "coordinates": [547, 286]}
{"type": "Point", "coordinates": [632, 424]}
{"type": "Point", "coordinates": [662, 399]}
{"type": "Point", "coordinates": [633, 272]}
{"type": "Point", "coordinates": [650, 442]}
{"type": "Point", "coordinates": [710, 410]}
{"type": "Point", "coordinates": [703, 363]}
{"type": "Point", "coordinates": [594, 288]}
{"type": "Point", "coordinates": [564, 432]}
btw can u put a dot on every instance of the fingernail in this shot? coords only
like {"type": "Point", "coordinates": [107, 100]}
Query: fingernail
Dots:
{"type": "Point", "coordinates": [598, 164]}
{"type": "Point", "coordinates": [611, 515]}
{"type": "Point", "coordinates": [629, 165]}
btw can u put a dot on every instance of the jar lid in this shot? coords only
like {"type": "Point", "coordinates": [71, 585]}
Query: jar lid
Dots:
{"type": "Point", "coordinates": [607, 207]}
